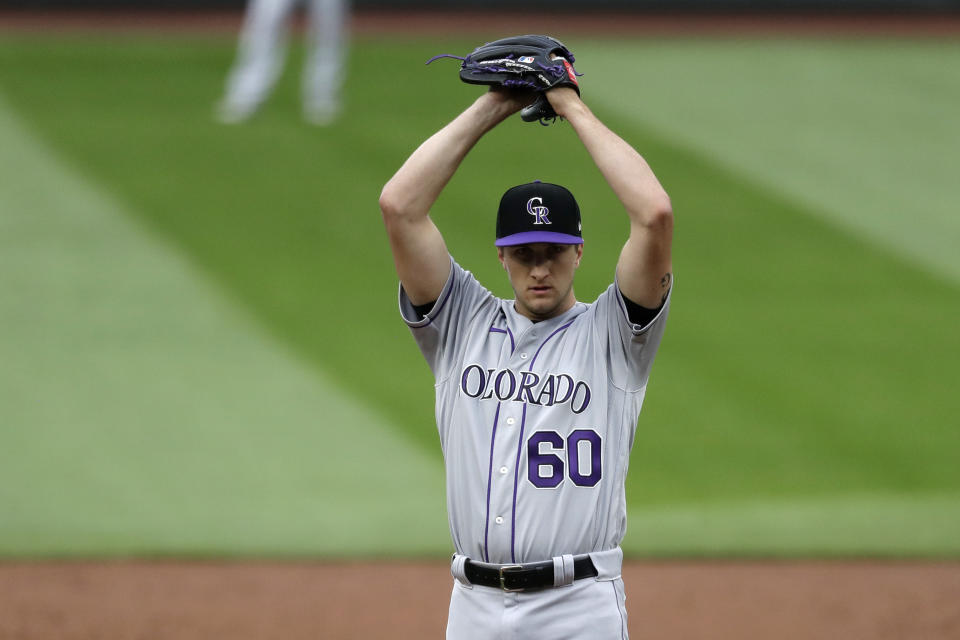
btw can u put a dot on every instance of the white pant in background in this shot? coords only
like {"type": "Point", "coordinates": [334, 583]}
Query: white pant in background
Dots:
{"type": "Point", "coordinates": [262, 49]}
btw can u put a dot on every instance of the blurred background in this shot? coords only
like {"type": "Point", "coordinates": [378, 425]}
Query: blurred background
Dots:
{"type": "Point", "coordinates": [200, 352]}
{"type": "Point", "coordinates": [890, 7]}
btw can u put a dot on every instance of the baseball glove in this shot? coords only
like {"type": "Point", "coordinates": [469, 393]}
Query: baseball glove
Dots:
{"type": "Point", "coordinates": [534, 62]}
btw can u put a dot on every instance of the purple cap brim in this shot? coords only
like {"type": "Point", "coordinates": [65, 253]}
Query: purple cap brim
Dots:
{"type": "Point", "coordinates": [529, 237]}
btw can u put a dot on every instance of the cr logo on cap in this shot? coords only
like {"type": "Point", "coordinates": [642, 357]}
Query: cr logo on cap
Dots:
{"type": "Point", "coordinates": [538, 211]}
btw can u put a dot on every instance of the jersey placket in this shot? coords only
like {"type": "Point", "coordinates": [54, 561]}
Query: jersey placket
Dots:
{"type": "Point", "coordinates": [508, 417]}
{"type": "Point", "coordinates": [506, 447]}
{"type": "Point", "coordinates": [525, 346]}
{"type": "Point", "coordinates": [516, 483]}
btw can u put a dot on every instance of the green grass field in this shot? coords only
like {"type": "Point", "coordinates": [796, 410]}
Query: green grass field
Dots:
{"type": "Point", "coordinates": [201, 352]}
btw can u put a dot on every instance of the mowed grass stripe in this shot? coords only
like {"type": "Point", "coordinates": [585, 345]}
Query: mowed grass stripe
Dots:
{"type": "Point", "coordinates": [283, 215]}
{"type": "Point", "coordinates": [822, 373]}
{"type": "Point", "coordinates": [791, 385]}
{"type": "Point", "coordinates": [924, 525]}
{"type": "Point", "coordinates": [863, 133]}
{"type": "Point", "coordinates": [143, 412]}
{"type": "Point", "coordinates": [790, 372]}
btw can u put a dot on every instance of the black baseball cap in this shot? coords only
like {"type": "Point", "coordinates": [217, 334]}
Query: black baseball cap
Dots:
{"type": "Point", "coordinates": [538, 212]}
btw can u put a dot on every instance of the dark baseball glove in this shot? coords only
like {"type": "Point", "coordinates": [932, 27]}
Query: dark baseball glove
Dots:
{"type": "Point", "coordinates": [533, 62]}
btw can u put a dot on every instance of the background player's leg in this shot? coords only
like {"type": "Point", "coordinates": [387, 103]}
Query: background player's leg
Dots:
{"type": "Point", "coordinates": [323, 70]}
{"type": "Point", "coordinates": [260, 53]}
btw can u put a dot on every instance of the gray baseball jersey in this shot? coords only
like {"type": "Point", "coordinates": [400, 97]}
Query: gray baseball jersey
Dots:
{"type": "Point", "coordinates": [536, 420]}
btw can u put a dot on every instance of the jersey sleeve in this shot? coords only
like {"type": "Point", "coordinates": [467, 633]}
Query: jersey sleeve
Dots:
{"type": "Point", "coordinates": [631, 348]}
{"type": "Point", "coordinates": [440, 333]}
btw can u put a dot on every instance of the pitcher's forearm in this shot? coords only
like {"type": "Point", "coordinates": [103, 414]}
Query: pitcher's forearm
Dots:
{"type": "Point", "coordinates": [624, 169]}
{"type": "Point", "coordinates": [418, 183]}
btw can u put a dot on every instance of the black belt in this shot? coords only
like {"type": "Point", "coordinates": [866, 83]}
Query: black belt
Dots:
{"type": "Point", "coordinates": [518, 577]}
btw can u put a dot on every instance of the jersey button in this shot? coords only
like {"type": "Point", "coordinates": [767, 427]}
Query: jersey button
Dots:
{"type": "Point", "coordinates": [498, 519]}
{"type": "Point", "coordinates": [510, 420]}
{"type": "Point", "coordinates": [503, 470]}
{"type": "Point", "coordinates": [523, 356]}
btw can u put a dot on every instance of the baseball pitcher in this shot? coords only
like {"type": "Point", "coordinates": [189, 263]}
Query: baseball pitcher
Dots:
{"type": "Point", "coordinates": [537, 398]}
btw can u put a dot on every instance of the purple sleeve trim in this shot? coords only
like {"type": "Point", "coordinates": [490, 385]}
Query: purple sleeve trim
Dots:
{"type": "Point", "coordinates": [437, 308]}
{"type": "Point", "coordinates": [445, 295]}
{"type": "Point", "coordinates": [636, 328]}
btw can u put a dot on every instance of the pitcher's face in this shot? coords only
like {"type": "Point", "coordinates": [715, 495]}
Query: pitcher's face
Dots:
{"type": "Point", "coordinates": [541, 274]}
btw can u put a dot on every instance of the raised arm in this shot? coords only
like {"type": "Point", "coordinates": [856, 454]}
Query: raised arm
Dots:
{"type": "Point", "coordinates": [644, 270]}
{"type": "Point", "coordinates": [419, 252]}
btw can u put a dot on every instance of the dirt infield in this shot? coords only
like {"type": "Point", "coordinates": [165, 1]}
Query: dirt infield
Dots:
{"type": "Point", "coordinates": [289, 601]}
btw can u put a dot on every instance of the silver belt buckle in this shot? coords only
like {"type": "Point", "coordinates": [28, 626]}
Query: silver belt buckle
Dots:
{"type": "Point", "coordinates": [503, 584]}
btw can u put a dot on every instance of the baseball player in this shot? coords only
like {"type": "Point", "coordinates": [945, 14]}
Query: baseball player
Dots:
{"type": "Point", "coordinates": [262, 48]}
{"type": "Point", "coordinates": [537, 398]}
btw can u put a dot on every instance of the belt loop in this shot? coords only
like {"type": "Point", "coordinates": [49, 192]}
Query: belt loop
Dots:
{"type": "Point", "coordinates": [458, 570]}
{"type": "Point", "coordinates": [563, 571]}
{"type": "Point", "coordinates": [608, 563]}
